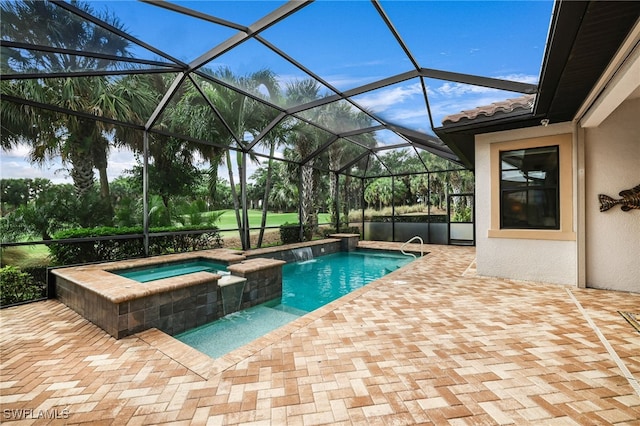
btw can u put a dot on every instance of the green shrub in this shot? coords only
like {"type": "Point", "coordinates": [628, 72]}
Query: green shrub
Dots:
{"type": "Point", "coordinates": [183, 242]}
{"type": "Point", "coordinates": [17, 286]}
{"type": "Point", "coordinates": [462, 215]}
{"type": "Point", "coordinates": [290, 233]}
{"type": "Point", "coordinates": [38, 274]}
{"type": "Point", "coordinates": [127, 243]}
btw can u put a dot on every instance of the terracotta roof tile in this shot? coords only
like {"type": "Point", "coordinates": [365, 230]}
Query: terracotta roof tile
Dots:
{"type": "Point", "coordinates": [524, 103]}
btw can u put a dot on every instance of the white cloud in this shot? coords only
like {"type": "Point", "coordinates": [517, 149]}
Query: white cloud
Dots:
{"type": "Point", "coordinates": [339, 81]}
{"type": "Point", "coordinates": [451, 89]}
{"type": "Point", "coordinates": [344, 82]}
{"type": "Point", "coordinates": [386, 137]}
{"type": "Point", "coordinates": [16, 166]}
{"type": "Point", "coordinates": [381, 100]}
{"type": "Point", "coordinates": [120, 160]}
{"type": "Point", "coordinates": [522, 78]}
{"type": "Point", "coordinates": [371, 63]}
{"type": "Point", "coordinates": [452, 98]}
{"type": "Point", "coordinates": [400, 115]}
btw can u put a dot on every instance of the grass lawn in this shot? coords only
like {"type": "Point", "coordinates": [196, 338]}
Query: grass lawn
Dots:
{"type": "Point", "coordinates": [38, 254]}
{"type": "Point", "coordinates": [25, 256]}
{"type": "Point", "coordinates": [228, 219]}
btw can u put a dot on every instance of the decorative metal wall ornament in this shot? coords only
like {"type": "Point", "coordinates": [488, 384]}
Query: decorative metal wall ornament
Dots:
{"type": "Point", "coordinates": [630, 200]}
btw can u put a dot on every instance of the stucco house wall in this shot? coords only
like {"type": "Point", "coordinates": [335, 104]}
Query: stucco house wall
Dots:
{"type": "Point", "coordinates": [612, 164]}
{"type": "Point", "coordinates": [605, 159]}
{"type": "Point", "coordinates": [528, 259]}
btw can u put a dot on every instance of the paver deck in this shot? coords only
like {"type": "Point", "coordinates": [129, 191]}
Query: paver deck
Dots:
{"type": "Point", "coordinates": [431, 343]}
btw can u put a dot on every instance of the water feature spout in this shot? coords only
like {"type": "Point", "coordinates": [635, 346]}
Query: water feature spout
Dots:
{"type": "Point", "coordinates": [302, 254]}
{"type": "Point", "coordinates": [231, 288]}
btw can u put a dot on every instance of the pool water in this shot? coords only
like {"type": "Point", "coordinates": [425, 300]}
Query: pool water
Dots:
{"type": "Point", "coordinates": [311, 284]}
{"type": "Point", "coordinates": [166, 270]}
{"type": "Point", "coordinates": [306, 286]}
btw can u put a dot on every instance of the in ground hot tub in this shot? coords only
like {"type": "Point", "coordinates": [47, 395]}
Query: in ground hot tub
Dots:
{"type": "Point", "coordinates": [172, 293]}
{"type": "Point", "coordinates": [143, 274]}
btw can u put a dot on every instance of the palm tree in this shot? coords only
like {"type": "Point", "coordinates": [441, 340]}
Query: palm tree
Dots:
{"type": "Point", "coordinates": [275, 138]}
{"type": "Point", "coordinates": [460, 181]}
{"type": "Point", "coordinates": [351, 188]}
{"type": "Point", "coordinates": [172, 169]}
{"type": "Point", "coordinates": [243, 116]}
{"type": "Point", "coordinates": [341, 117]}
{"type": "Point", "coordinates": [304, 140]}
{"type": "Point", "coordinates": [285, 192]}
{"type": "Point", "coordinates": [438, 184]}
{"type": "Point", "coordinates": [420, 187]}
{"type": "Point", "coordinates": [192, 116]}
{"type": "Point", "coordinates": [379, 191]}
{"type": "Point", "coordinates": [81, 143]}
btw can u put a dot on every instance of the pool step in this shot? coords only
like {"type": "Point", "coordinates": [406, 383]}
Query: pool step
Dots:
{"type": "Point", "coordinates": [288, 309]}
{"type": "Point", "coordinates": [393, 268]}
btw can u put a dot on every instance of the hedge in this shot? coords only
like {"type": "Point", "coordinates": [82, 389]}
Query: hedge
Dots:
{"type": "Point", "coordinates": [19, 286]}
{"type": "Point", "coordinates": [128, 243]}
{"type": "Point", "coordinates": [290, 233]}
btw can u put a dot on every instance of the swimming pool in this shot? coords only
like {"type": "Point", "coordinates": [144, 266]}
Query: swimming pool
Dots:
{"type": "Point", "coordinates": [306, 286]}
{"type": "Point", "coordinates": [172, 269]}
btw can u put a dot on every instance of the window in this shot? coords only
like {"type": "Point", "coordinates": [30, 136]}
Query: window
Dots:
{"type": "Point", "coordinates": [531, 186]}
{"type": "Point", "coordinates": [529, 190]}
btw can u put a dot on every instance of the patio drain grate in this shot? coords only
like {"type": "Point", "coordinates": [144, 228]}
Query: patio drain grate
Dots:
{"type": "Point", "coordinates": [633, 319]}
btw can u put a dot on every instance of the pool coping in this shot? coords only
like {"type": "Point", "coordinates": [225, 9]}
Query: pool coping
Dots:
{"type": "Point", "coordinates": [100, 278]}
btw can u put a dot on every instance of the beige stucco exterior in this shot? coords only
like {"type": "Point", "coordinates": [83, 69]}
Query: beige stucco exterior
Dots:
{"type": "Point", "coordinates": [612, 164]}
{"type": "Point", "coordinates": [545, 256]}
{"type": "Point", "coordinates": [593, 249]}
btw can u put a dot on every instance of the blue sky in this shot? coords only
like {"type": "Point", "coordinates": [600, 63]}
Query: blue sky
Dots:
{"type": "Point", "coordinates": [347, 44]}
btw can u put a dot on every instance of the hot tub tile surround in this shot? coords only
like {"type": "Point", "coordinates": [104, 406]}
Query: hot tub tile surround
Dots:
{"type": "Point", "coordinates": [264, 280]}
{"type": "Point", "coordinates": [123, 307]}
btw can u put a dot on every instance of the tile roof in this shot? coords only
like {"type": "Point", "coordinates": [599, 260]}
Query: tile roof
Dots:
{"type": "Point", "coordinates": [521, 104]}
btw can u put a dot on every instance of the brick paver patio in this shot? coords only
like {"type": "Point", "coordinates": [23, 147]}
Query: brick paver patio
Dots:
{"type": "Point", "coordinates": [431, 343]}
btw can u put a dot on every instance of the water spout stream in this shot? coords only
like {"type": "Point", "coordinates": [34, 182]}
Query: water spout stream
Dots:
{"type": "Point", "coordinates": [231, 290]}
{"type": "Point", "coordinates": [302, 254]}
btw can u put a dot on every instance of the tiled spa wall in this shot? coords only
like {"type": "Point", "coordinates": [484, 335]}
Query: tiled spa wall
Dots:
{"type": "Point", "coordinates": [171, 311]}
{"type": "Point", "coordinates": [175, 310]}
